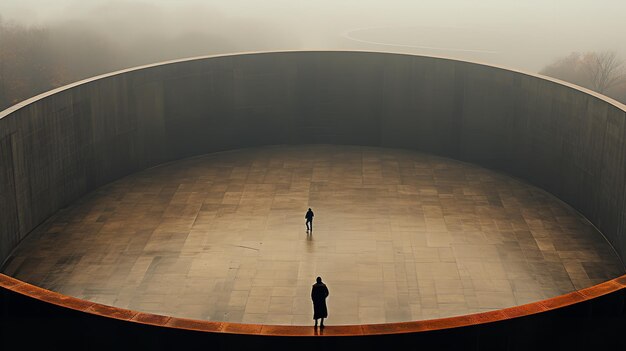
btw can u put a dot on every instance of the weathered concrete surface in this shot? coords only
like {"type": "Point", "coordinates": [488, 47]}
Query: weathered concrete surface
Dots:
{"type": "Point", "coordinates": [62, 145]}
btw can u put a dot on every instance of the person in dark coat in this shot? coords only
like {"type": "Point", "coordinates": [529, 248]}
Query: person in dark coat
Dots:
{"type": "Point", "coordinates": [309, 220]}
{"type": "Point", "coordinates": [318, 295]}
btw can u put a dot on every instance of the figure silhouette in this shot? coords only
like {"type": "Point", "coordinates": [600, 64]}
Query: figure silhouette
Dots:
{"type": "Point", "coordinates": [319, 292]}
{"type": "Point", "coordinates": [309, 220]}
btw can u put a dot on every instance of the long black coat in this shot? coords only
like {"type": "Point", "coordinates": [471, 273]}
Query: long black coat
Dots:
{"type": "Point", "coordinates": [318, 295]}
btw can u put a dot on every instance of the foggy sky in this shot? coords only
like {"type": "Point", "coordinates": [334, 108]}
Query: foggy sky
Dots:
{"type": "Point", "coordinates": [523, 34]}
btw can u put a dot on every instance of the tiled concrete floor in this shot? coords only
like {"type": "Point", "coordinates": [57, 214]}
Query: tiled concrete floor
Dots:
{"type": "Point", "coordinates": [399, 236]}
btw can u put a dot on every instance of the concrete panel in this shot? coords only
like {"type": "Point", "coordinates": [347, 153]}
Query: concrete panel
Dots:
{"type": "Point", "coordinates": [8, 208]}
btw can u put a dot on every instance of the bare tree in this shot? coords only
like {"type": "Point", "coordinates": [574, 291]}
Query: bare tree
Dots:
{"type": "Point", "coordinates": [605, 70]}
{"type": "Point", "coordinates": [569, 69]}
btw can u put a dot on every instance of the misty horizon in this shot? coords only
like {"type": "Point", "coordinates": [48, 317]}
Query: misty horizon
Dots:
{"type": "Point", "coordinates": [524, 36]}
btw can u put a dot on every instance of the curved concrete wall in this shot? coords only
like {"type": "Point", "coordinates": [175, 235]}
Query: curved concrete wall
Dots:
{"type": "Point", "coordinates": [59, 146]}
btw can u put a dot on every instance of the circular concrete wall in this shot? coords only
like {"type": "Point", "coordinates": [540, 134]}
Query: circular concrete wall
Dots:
{"type": "Point", "coordinates": [62, 144]}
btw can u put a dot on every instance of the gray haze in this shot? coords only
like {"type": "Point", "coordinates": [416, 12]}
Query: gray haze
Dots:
{"type": "Point", "coordinates": [524, 34]}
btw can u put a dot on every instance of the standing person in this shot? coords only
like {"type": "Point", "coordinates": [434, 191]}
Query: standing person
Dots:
{"type": "Point", "coordinates": [309, 220]}
{"type": "Point", "coordinates": [319, 292]}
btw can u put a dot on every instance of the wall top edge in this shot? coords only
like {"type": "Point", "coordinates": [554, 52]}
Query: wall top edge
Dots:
{"type": "Point", "coordinates": [41, 96]}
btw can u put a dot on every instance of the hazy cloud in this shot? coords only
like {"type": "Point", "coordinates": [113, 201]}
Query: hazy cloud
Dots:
{"type": "Point", "coordinates": [522, 34]}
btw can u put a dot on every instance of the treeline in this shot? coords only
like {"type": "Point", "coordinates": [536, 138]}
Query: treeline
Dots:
{"type": "Point", "coordinates": [25, 64]}
{"type": "Point", "coordinates": [35, 59]}
{"type": "Point", "coordinates": [603, 72]}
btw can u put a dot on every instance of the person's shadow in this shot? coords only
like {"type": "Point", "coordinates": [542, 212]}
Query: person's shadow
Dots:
{"type": "Point", "coordinates": [310, 247]}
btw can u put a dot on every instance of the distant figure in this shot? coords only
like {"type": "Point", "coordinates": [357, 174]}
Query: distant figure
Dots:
{"type": "Point", "coordinates": [309, 220]}
{"type": "Point", "coordinates": [318, 295]}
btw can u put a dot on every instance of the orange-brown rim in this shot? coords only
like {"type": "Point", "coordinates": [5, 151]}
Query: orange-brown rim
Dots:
{"type": "Point", "coordinates": [97, 309]}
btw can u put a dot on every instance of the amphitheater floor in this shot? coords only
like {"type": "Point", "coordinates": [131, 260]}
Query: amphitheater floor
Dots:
{"type": "Point", "coordinates": [398, 236]}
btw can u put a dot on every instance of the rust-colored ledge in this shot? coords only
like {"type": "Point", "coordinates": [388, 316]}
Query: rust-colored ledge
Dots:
{"type": "Point", "coordinates": [35, 292]}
